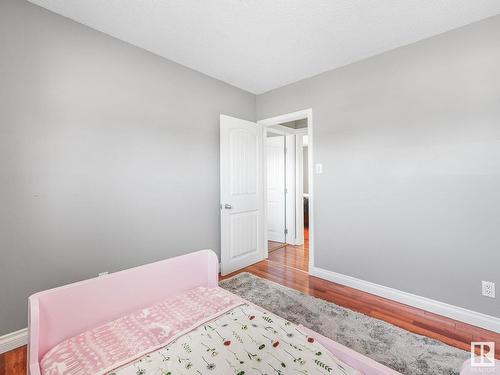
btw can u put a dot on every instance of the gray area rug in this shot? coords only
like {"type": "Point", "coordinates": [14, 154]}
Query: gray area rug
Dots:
{"type": "Point", "coordinates": [394, 347]}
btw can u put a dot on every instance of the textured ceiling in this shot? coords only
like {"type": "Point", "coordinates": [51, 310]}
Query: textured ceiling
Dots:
{"type": "Point", "coordinates": [259, 45]}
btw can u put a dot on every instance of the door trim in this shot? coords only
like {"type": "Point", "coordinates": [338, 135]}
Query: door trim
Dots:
{"type": "Point", "coordinates": [299, 185]}
{"type": "Point", "coordinates": [293, 116]}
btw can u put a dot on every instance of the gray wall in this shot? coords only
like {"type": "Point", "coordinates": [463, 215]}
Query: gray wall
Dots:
{"type": "Point", "coordinates": [410, 145]}
{"type": "Point", "coordinates": [109, 155]}
{"type": "Point", "coordinates": [109, 159]}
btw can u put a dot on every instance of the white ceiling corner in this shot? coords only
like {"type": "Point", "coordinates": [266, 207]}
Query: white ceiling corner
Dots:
{"type": "Point", "coordinates": [260, 45]}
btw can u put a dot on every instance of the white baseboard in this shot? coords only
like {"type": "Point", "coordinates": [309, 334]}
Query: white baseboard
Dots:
{"type": "Point", "coordinates": [13, 340]}
{"type": "Point", "coordinates": [458, 313]}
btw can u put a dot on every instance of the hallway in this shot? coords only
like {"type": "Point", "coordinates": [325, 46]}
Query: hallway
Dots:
{"type": "Point", "coordinates": [292, 256]}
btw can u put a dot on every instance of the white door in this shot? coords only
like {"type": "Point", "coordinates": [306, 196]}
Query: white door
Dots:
{"type": "Point", "coordinates": [275, 155]}
{"type": "Point", "coordinates": [242, 198]}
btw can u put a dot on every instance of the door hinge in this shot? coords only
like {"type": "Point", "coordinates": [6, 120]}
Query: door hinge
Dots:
{"type": "Point", "coordinates": [286, 231]}
{"type": "Point", "coordinates": [286, 191]}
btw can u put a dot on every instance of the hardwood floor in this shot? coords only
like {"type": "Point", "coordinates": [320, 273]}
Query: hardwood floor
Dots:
{"type": "Point", "coordinates": [288, 266]}
{"type": "Point", "coordinates": [296, 257]}
{"type": "Point", "coordinates": [13, 362]}
{"type": "Point", "coordinates": [273, 245]}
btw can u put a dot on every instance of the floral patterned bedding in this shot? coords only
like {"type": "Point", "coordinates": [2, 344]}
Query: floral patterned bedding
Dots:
{"type": "Point", "coordinates": [244, 340]}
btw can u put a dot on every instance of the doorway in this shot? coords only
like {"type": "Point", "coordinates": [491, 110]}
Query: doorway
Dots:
{"type": "Point", "coordinates": [245, 197]}
{"type": "Point", "coordinates": [275, 145]}
{"type": "Point", "coordinates": [288, 223]}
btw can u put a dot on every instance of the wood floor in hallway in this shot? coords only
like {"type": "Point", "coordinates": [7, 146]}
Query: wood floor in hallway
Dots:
{"type": "Point", "coordinates": [296, 257]}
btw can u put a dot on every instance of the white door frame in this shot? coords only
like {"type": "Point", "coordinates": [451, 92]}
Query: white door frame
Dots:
{"type": "Point", "coordinates": [277, 120]}
{"type": "Point", "coordinates": [291, 188]}
{"type": "Point", "coordinates": [299, 184]}
{"type": "Point", "coordinates": [294, 182]}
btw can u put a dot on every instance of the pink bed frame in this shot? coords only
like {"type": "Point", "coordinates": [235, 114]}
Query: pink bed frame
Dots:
{"type": "Point", "coordinates": [60, 313]}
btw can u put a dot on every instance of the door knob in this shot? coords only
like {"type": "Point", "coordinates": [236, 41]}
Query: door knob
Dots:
{"type": "Point", "coordinates": [227, 206]}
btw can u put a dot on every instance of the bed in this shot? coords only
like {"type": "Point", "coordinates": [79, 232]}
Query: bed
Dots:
{"type": "Point", "coordinates": [62, 320]}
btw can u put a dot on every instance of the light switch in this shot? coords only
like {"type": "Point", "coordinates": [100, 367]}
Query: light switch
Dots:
{"type": "Point", "coordinates": [319, 168]}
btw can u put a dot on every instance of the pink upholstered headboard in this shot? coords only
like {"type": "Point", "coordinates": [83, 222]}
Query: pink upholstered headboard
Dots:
{"type": "Point", "coordinates": [60, 313]}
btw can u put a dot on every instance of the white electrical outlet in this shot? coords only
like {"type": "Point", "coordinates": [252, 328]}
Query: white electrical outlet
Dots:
{"type": "Point", "coordinates": [488, 289]}
{"type": "Point", "coordinates": [319, 168]}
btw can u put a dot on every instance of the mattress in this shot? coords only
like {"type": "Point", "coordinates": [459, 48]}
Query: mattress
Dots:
{"type": "Point", "coordinates": [202, 331]}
